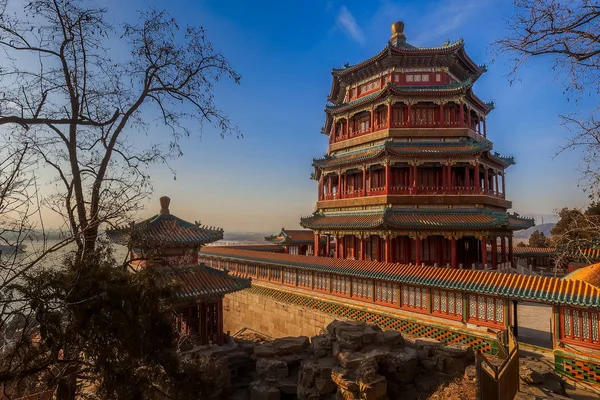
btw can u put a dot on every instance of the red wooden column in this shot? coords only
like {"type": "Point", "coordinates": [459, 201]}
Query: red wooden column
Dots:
{"type": "Point", "coordinates": [510, 251]}
{"type": "Point", "coordinates": [409, 118]}
{"type": "Point", "coordinates": [321, 188]}
{"type": "Point", "coordinates": [372, 121]}
{"type": "Point", "coordinates": [486, 179]}
{"type": "Point", "coordinates": [387, 247]}
{"type": "Point", "coordinates": [387, 177]}
{"type": "Point", "coordinates": [483, 251]}
{"type": "Point", "coordinates": [363, 256]}
{"type": "Point", "coordinates": [415, 176]}
{"type": "Point", "coordinates": [407, 249]}
{"type": "Point", "coordinates": [503, 248]}
{"type": "Point", "coordinates": [461, 115]}
{"type": "Point", "coordinates": [442, 122]}
{"type": "Point", "coordinates": [327, 245]}
{"type": "Point", "coordinates": [449, 178]}
{"type": "Point", "coordinates": [503, 186]}
{"type": "Point", "coordinates": [364, 182]}
{"type": "Point", "coordinates": [389, 115]}
{"type": "Point", "coordinates": [418, 250]}
{"type": "Point", "coordinates": [316, 245]}
{"type": "Point", "coordinates": [339, 186]}
{"type": "Point", "coordinates": [453, 259]}
{"type": "Point", "coordinates": [477, 178]}
{"type": "Point", "coordinates": [438, 250]}
{"type": "Point", "coordinates": [467, 177]}
{"type": "Point", "coordinates": [494, 244]}
{"type": "Point", "coordinates": [329, 186]}
{"type": "Point", "coordinates": [469, 117]}
{"type": "Point", "coordinates": [337, 246]}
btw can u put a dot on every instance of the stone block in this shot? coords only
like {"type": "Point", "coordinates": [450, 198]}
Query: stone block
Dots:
{"type": "Point", "coordinates": [375, 389]}
{"type": "Point", "coordinates": [271, 369]}
{"type": "Point", "coordinates": [262, 391]}
{"type": "Point", "coordinates": [390, 337]}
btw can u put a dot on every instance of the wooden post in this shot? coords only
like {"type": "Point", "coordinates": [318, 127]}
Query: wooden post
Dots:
{"type": "Point", "coordinates": [386, 248]}
{"type": "Point", "coordinates": [494, 245]}
{"type": "Point", "coordinates": [372, 121]}
{"type": "Point", "coordinates": [483, 251]}
{"type": "Point", "coordinates": [415, 182]}
{"type": "Point", "coordinates": [389, 115]}
{"type": "Point", "coordinates": [510, 251]}
{"type": "Point", "coordinates": [333, 132]}
{"type": "Point", "coordinates": [467, 177]}
{"type": "Point", "coordinates": [339, 186]}
{"type": "Point", "coordinates": [503, 248]}
{"type": "Point", "coordinates": [453, 260]}
{"type": "Point", "coordinates": [321, 188]}
{"type": "Point", "coordinates": [442, 123]}
{"type": "Point", "coordinates": [327, 245]}
{"type": "Point", "coordinates": [387, 178]}
{"type": "Point", "coordinates": [461, 116]}
{"type": "Point", "coordinates": [363, 256]}
{"type": "Point", "coordinates": [438, 250]}
{"type": "Point", "coordinates": [329, 187]}
{"type": "Point", "coordinates": [449, 178]}
{"type": "Point", "coordinates": [486, 183]}
{"type": "Point", "coordinates": [316, 245]}
{"type": "Point", "coordinates": [364, 182]}
{"type": "Point", "coordinates": [469, 117]}
{"type": "Point", "coordinates": [417, 250]}
{"type": "Point", "coordinates": [497, 188]}
{"type": "Point", "coordinates": [409, 118]}
{"type": "Point", "coordinates": [503, 186]}
{"type": "Point", "coordinates": [477, 178]}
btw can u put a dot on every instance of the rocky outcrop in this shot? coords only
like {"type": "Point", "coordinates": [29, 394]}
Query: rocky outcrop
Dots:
{"type": "Point", "coordinates": [350, 360]}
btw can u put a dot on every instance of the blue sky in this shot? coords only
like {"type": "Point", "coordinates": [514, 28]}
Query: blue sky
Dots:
{"type": "Point", "coordinates": [285, 51]}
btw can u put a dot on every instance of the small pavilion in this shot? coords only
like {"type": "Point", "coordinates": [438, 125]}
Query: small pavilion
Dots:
{"type": "Point", "coordinates": [299, 241]}
{"type": "Point", "coordinates": [170, 245]}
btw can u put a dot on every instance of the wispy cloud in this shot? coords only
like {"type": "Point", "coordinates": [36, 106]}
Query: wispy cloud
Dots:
{"type": "Point", "coordinates": [346, 21]}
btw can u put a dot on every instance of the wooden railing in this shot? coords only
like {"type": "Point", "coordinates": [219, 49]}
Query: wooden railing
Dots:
{"type": "Point", "coordinates": [499, 381]}
{"type": "Point", "coordinates": [310, 280]}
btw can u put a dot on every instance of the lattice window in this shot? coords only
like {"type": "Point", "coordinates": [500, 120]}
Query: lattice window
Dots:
{"type": "Point", "coordinates": [417, 297]}
{"type": "Point", "coordinates": [252, 270]}
{"type": "Point", "coordinates": [425, 78]}
{"type": "Point", "coordinates": [486, 309]}
{"type": "Point", "coordinates": [275, 274]}
{"type": "Point", "coordinates": [341, 284]}
{"type": "Point", "coordinates": [499, 310]}
{"type": "Point", "coordinates": [438, 77]}
{"type": "Point", "coordinates": [305, 279]}
{"type": "Point", "coordinates": [436, 300]}
{"type": "Point", "coordinates": [579, 325]}
{"type": "Point", "coordinates": [409, 78]}
{"type": "Point", "coordinates": [362, 288]}
{"type": "Point", "coordinates": [417, 78]}
{"type": "Point", "coordinates": [386, 292]}
{"type": "Point", "coordinates": [459, 303]}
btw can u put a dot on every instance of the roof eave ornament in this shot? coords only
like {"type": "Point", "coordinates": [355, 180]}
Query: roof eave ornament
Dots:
{"type": "Point", "coordinates": [398, 38]}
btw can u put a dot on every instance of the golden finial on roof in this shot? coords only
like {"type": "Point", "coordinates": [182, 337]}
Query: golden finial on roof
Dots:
{"type": "Point", "coordinates": [397, 28]}
{"type": "Point", "coordinates": [397, 33]}
{"type": "Point", "coordinates": [164, 205]}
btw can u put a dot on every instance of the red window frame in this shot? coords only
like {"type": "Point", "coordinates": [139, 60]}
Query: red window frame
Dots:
{"type": "Point", "coordinates": [579, 338]}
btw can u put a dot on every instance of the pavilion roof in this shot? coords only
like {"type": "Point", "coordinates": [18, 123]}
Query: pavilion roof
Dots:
{"type": "Point", "coordinates": [421, 148]}
{"type": "Point", "coordinates": [415, 218]}
{"type": "Point", "coordinates": [292, 237]}
{"type": "Point", "coordinates": [199, 282]}
{"type": "Point", "coordinates": [165, 230]}
{"type": "Point", "coordinates": [399, 52]}
{"type": "Point", "coordinates": [514, 286]}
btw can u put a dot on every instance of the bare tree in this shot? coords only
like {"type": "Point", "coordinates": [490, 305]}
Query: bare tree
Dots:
{"type": "Point", "coordinates": [77, 107]}
{"type": "Point", "coordinates": [69, 105]}
{"type": "Point", "coordinates": [568, 32]}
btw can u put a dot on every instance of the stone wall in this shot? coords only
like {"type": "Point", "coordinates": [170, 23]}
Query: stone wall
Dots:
{"type": "Point", "coordinates": [245, 309]}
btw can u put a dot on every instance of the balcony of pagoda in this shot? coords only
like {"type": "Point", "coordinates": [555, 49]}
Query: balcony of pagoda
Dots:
{"type": "Point", "coordinates": [423, 119]}
{"type": "Point", "coordinates": [401, 183]}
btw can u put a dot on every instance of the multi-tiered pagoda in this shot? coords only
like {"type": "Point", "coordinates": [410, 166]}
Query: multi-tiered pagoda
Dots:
{"type": "Point", "coordinates": [409, 175]}
{"type": "Point", "coordinates": [170, 246]}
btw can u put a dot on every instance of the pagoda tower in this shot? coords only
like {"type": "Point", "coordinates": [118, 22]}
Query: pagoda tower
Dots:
{"type": "Point", "coordinates": [409, 175]}
{"type": "Point", "coordinates": [169, 245]}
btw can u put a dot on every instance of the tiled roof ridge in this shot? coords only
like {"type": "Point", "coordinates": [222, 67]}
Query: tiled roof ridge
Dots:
{"type": "Point", "coordinates": [548, 289]}
{"type": "Point", "coordinates": [390, 87]}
